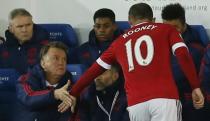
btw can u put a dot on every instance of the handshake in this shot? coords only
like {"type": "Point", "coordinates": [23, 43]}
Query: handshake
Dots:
{"type": "Point", "coordinates": [68, 101]}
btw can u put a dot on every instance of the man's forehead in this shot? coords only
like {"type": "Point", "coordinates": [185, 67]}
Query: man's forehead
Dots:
{"type": "Point", "coordinates": [22, 20]}
{"type": "Point", "coordinates": [104, 20]}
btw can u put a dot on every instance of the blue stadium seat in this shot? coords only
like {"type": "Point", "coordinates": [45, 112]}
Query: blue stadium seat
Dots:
{"type": "Point", "coordinates": [8, 80]}
{"type": "Point", "coordinates": [76, 70]}
{"type": "Point", "coordinates": [202, 33]}
{"type": "Point", "coordinates": [62, 32]}
{"type": "Point", "coordinates": [123, 25]}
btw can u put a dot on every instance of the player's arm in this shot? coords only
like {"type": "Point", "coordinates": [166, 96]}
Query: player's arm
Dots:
{"type": "Point", "coordinates": [102, 63]}
{"type": "Point", "coordinates": [184, 58]}
{"type": "Point", "coordinates": [86, 79]}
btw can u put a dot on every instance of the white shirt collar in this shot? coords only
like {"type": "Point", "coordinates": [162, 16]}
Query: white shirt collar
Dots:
{"type": "Point", "coordinates": [139, 24]}
{"type": "Point", "coordinates": [48, 84]}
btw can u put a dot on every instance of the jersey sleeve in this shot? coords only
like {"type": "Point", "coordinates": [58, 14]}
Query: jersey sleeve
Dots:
{"type": "Point", "coordinates": [184, 58]}
{"type": "Point", "coordinates": [176, 40]}
{"type": "Point", "coordinates": [102, 63]}
{"type": "Point", "coordinates": [108, 57]}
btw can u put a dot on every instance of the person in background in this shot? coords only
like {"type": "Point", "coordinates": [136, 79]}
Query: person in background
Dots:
{"type": "Point", "coordinates": [24, 40]}
{"type": "Point", "coordinates": [144, 53]}
{"type": "Point", "coordinates": [40, 91]}
{"type": "Point", "coordinates": [205, 82]}
{"type": "Point", "coordinates": [104, 100]}
{"type": "Point", "coordinates": [100, 37]}
{"type": "Point", "coordinates": [174, 14]}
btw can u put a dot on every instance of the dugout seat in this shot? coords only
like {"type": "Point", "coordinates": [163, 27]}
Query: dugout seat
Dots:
{"type": "Point", "coordinates": [123, 25]}
{"type": "Point", "coordinates": [62, 32]}
{"type": "Point", "coordinates": [8, 80]}
{"type": "Point", "coordinates": [76, 70]}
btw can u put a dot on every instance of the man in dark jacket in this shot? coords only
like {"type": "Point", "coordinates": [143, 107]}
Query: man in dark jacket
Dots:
{"type": "Point", "coordinates": [42, 89]}
{"type": "Point", "coordinates": [103, 34]}
{"type": "Point", "coordinates": [174, 14]}
{"type": "Point", "coordinates": [23, 42]}
{"type": "Point", "coordinates": [205, 80]}
{"type": "Point", "coordinates": [105, 100]}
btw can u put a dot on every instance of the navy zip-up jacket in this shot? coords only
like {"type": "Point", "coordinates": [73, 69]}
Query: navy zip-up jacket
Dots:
{"type": "Point", "coordinates": [36, 101]}
{"type": "Point", "coordinates": [205, 74]}
{"type": "Point", "coordinates": [22, 57]}
{"type": "Point", "coordinates": [88, 52]}
{"type": "Point", "coordinates": [89, 109]}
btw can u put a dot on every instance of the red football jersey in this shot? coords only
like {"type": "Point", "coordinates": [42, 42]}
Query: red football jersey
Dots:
{"type": "Point", "coordinates": [144, 53]}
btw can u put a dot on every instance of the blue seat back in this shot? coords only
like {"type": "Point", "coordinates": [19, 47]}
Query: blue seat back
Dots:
{"type": "Point", "coordinates": [8, 79]}
{"type": "Point", "coordinates": [62, 32]}
{"type": "Point", "coordinates": [202, 33]}
{"type": "Point", "coordinates": [76, 70]}
{"type": "Point", "coordinates": [123, 25]}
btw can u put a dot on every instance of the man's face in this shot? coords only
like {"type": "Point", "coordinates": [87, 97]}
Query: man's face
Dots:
{"type": "Point", "coordinates": [106, 79]}
{"type": "Point", "coordinates": [177, 24]}
{"type": "Point", "coordinates": [54, 62]}
{"type": "Point", "coordinates": [104, 29]}
{"type": "Point", "coordinates": [22, 28]}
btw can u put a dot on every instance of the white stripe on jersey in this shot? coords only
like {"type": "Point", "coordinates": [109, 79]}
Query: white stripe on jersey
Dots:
{"type": "Point", "coordinates": [103, 64]}
{"type": "Point", "coordinates": [178, 45]}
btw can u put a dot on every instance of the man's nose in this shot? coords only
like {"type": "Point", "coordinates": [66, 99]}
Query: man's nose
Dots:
{"type": "Point", "coordinates": [24, 29]}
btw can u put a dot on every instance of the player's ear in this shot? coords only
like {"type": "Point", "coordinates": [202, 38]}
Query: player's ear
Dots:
{"type": "Point", "coordinates": [115, 75]}
{"type": "Point", "coordinates": [114, 26]}
{"type": "Point", "coordinates": [10, 28]}
{"type": "Point", "coordinates": [153, 19]}
{"type": "Point", "coordinates": [42, 63]}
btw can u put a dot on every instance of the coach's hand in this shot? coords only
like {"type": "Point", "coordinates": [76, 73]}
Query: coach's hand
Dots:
{"type": "Point", "coordinates": [65, 106]}
{"type": "Point", "coordinates": [198, 98]}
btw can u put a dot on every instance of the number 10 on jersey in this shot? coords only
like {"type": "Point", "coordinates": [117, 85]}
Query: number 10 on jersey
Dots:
{"type": "Point", "coordinates": [137, 52]}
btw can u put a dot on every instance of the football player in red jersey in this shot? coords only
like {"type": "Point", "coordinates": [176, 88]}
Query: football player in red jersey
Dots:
{"type": "Point", "coordinates": [144, 53]}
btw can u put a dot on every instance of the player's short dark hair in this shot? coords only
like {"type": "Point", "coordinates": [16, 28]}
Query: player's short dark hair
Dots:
{"type": "Point", "coordinates": [54, 44]}
{"type": "Point", "coordinates": [173, 11]}
{"type": "Point", "coordinates": [104, 13]}
{"type": "Point", "coordinates": [116, 67]}
{"type": "Point", "coordinates": [141, 11]}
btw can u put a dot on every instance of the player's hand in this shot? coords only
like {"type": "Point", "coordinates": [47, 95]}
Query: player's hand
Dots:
{"type": "Point", "coordinates": [198, 98]}
{"type": "Point", "coordinates": [65, 106]}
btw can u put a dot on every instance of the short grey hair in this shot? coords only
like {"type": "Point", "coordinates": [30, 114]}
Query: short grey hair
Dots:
{"type": "Point", "coordinates": [53, 44]}
{"type": "Point", "coordinates": [18, 12]}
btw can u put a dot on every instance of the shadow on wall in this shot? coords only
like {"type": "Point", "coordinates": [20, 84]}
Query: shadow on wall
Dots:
{"type": "Point", "coordinates": [3, 27]}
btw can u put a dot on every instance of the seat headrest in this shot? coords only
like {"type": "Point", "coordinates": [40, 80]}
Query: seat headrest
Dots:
{"type": "Point", "coordinates": [61, 32]}
{"type": "Point", "coordinates": [76, 70]}
{"type": "Point", "coordinates": [123, 25]}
